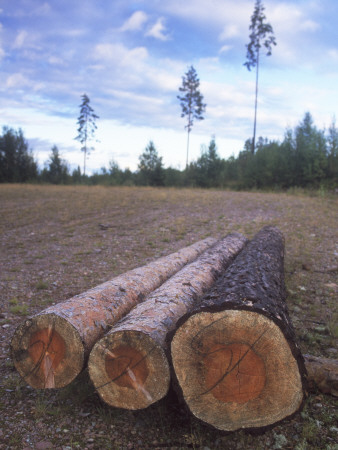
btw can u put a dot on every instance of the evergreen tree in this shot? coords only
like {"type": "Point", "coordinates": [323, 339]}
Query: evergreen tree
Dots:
{"type": "Point", "coordinates": [76, 175]}
{"type": "Point", "coordinates": [191, 101]}
{"type": "Point", "coordinates": [261, 35]}
{"type": "Point", "coordinates": [151, 171]}
{"type": "Point", "coordinates": [332, 152]}
{"type": "Point", "coordinates": [17, 164]}
{"type": "Point", "coordinates": [87, 127]}
{"type": "Point", "coordinates": [209, 166]}
{"type": "Point", "coordinates": [56, 171]}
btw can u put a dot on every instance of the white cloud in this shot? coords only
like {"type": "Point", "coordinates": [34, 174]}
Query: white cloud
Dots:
{"type": "Point", "coordinates": [27, 40]}
{"type": "Point", "coordinates": [54, 60]}
{"type": "Point", "coordinates": [135, 21]}
{"type": "Point", "coordinates": [119, 54]}
{"type": "Point", "coordinates": [43, 9]}
{"type": "Point", "coordinates": [309, 25]}
{"type": "Point", "coordinates": [158, 30]}
{"type": "Point", "coordinates": [20, 39]}
{"type": "Point", "coordinates": [229, 31]}
{"type": "Point", "coordinates": [225, 48]}
{"type": "Point", "coordinates": [17, 80]}
{"type": "Point", "coordinates": [333, 54]}
{"type": "Point", "coordinates": [216, 12]}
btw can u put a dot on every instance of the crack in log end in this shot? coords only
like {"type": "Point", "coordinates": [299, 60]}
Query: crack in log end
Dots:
{"type": "Point", "coordinates": [236, 370]}
{"type": "Point", "coordinates": [47, 350]}
{"type": "Point", "coordinates": [127, 368]}
{"type": "Point", "coordinates": [234, 373]}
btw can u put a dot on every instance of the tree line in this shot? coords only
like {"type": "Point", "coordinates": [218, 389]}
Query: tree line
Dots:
{"type": "Point", "coordinates": [307, 157]}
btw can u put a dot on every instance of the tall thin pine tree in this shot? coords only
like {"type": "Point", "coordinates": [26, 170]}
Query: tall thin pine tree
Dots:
{"type": "Point", "coordinates": [87, 127]}
{"type": "Point", "coordinates": [191, 102]}
{"type": "Point", "coordinates": [261, 35]}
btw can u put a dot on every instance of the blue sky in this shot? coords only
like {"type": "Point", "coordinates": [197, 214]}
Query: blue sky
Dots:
{"type": "Point", "coordinates": [129, 56]}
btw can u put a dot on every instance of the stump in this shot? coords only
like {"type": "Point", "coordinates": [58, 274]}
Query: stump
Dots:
{"type": "Point", "coordinates": [50, 349]}
{"type": "Point", "coordinates": [235, 357]}
{"type": "Point", "coordinates": [129, 366]}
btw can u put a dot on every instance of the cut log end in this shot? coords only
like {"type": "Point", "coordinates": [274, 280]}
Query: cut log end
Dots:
{"type": "Point", "coordinates": [233, 372]}
{"type": "Point", "coordinates": [236, 370]}
{"type": "Point", "coordinates": [129, 370]}
{"type": "Point", "coordinates": [47, 351]}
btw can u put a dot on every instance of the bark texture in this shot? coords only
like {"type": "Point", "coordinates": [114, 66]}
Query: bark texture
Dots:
{"type": "Point", "coordinates": [129, 366]}
{"type": "Point", "coordinates": [50, 349]}
{"type": "Point", "coordinates": [322, 374]}
{"type": "Point", "coordinates": [235, 357]}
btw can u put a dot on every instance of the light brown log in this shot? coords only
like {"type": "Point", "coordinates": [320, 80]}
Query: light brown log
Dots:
{"type": "Point", "coordinates": [50, 349]}
{"type": "Point", "coordinates": [235, 357]}
{"type": "Point", "coordinates": [322, 374]}
{"type": "Point", "coordinates": [129, 366]}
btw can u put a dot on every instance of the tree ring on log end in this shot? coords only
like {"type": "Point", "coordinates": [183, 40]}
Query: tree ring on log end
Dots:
{"type": "Point", "coordinates": [236, 369]}
{"type": "Point", "coordinates": [126, 366]}
{"type": "Point", "coordinates": [129, 369]}
{"type": "Point", "coordinates": [233, 372]}
{"type": "Point", "coordinates": [47, 351]}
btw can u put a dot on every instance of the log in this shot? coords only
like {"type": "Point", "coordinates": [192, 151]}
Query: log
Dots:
{"type": "Point", "coordinates": [235, 357]}
{"type": "Point", "coordinates": [322, 374]}
{"type": "Point", "coordinates": [51, 348]}
{"type": "Point", "coordinates": [129, 366]}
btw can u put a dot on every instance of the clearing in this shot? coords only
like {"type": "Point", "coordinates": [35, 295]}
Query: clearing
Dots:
{"type": "Point", "coordinates": [58, 241]}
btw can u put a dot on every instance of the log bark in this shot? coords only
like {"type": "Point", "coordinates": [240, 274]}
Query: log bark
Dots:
{"type": "Point", "coordinates": [235, 357]}
{"type": "Point", "coordinates": [129, 366]}
{"type": "Point", "coordinates": [322, 374]}
{"type": "Point", "coordinates": [50, 349]}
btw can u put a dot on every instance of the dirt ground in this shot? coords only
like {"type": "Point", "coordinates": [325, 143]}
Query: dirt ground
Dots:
{"type": "Point", "coordinates": [56, 242]}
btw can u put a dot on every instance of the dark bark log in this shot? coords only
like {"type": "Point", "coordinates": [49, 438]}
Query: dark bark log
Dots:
{"type": "Point", "coordinates": [129, 366]}
{"type": "Point", "coordinates": [236, 360]}
{"type": "Point", "coordinates": [50, 349]}
{"type": "Point", "coordinates": [322, 374]}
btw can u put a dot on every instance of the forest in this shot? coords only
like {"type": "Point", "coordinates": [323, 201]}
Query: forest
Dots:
{"type": "Point", "coordinates": [307, 157]}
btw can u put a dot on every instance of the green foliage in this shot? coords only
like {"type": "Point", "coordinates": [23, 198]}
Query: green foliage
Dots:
{"type": "Point", "coordinates": [151, 171]}
{"type": "Point", "coordinates": [261, 35]}
{"type": "Point", "coordinates": [17, 164]}
{"type": "Point", "coordinates": [191, 101]}
{"type": "Point", "coordinates": [87, 127]}
{"type": "Point", "coordinates": [207, 170]}
{"type": "Point", "coordinates": [56, 170]}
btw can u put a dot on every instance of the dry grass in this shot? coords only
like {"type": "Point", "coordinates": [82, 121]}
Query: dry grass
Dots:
{"type": "Point", "coordinates": [59, 241]}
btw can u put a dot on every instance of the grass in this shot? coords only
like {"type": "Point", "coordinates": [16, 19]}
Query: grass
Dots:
{"type": "Point", "coordinates": [41, 285]}
{"type": "Point", "coordinates": [50, 238]}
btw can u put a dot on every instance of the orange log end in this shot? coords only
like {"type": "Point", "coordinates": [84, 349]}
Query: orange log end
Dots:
{"type": "Point", "coordinates": [47, 349]}
{"type": "Point", "coordinates": [234, 373]}
{"type": "Point", "coordinates": [127, 367]}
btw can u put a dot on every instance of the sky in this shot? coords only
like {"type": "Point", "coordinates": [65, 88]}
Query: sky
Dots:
{"type": "Point", "coordinates": [129, 57]}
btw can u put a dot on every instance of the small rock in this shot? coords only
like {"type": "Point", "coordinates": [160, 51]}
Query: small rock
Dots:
{"type": "Point", "coordinates": [332, 350]}
{"type": "Point", "coordinates": [43, 445]}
